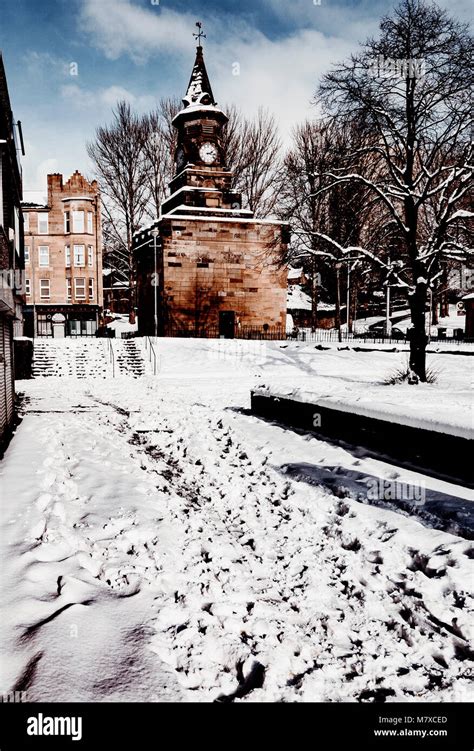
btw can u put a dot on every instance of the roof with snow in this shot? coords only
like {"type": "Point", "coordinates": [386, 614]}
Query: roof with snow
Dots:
{"type": "Point", "coordinates": [199, 87]}
{"type": "Point", "coordinates": [199, 96]}
{"type": "Point", "coordinates": [295, 273]}
{"type": "Point", "coordinates": [297, 299]}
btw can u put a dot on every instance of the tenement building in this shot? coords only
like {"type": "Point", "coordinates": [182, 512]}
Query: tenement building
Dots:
{"type": "Point", "coordinates": [207, 266]}
{"type": "Point", "coordinates": [11, 252]}
{"type": "Point", "coordinates": [63, 260]}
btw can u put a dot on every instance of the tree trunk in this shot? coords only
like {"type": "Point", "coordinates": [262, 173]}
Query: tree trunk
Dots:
{"type": "Point", "coordinates": [434, 309]}
{"type": "Point", "coordinates": [417, 334]}
{"type": "Point", "coordinates": [314, 298]}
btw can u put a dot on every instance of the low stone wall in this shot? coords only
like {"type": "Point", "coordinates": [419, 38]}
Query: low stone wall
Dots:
{"type": "Point", "coordinates": [442, 454]}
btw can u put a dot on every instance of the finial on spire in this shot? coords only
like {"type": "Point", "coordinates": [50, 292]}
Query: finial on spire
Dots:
{"type": "Point", "coordinates": [200, 35]}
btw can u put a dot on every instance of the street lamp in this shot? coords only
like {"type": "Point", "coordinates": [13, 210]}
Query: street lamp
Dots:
{"type": "Point", "coordinates": [388, 322]}
{"type": "Point", "coordinates": [338, 301]}
{"type": "Point", "coordinates": [155, 233]}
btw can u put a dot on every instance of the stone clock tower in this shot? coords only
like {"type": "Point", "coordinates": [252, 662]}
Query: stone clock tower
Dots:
{"type": "Point", "coordinates": [200, 123]}
{"type": "Point", "coordinates": [217, 267]}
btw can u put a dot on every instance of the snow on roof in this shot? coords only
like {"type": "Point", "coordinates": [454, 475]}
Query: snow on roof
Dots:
{"type": "Point", "coordinates": [297, 299]}
{"type": "Point", "coordinates": [31, 205]}
{"type": "Point", "coordinates": [146, 227]}
{"type": "Point", "coordinates": [294, 273]}
{"type": "Point", "coordinates": [469, 296]}
{"type": "Point", "coordinates": [212, 218]}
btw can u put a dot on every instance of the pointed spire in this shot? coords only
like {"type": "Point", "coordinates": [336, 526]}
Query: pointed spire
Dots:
{"type": "Point", "coordinates": [199, 97]}
{"type": "Point", "coordinates": [199, 87]}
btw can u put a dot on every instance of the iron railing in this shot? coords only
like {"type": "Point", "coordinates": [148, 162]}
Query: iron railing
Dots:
{"type": "Point", "coordinates": [305, 335]}
{"type": "Point", "coordinates": [110, 354]}
{"type": "Point", "coordinates": [149, 347]}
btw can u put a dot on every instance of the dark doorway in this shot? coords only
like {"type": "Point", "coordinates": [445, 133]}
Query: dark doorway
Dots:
{"type": "Point", "coordinates": [227, 324]}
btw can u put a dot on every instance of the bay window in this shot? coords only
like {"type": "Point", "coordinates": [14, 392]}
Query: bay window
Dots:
{"type": "Point", "coordinates": [79, 255]}
{"type": "Point", "coordinates": [78, 221]}
{"type": "Point", "coordinates": [80, 288]}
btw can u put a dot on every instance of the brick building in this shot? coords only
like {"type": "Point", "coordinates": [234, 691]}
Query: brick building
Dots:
{"type": "Point", "coordinates": [63, 260]}
{"type": "Point", "coordinates": [11, 251]}
{"type": "Point", "coordinates": [216, 264]}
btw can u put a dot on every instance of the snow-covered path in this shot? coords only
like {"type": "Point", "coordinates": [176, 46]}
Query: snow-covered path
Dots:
{"type": "Point", "coordinates": [154, 550]}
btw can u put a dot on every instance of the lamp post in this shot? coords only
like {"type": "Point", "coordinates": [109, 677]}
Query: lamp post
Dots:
{"type": "Point", "coordinates": [338, 302]}
{"type": "Point", "coordinates": [388, 323]}
{"type": "Point", "coordinates": [348, 298]}
{"type": "Point", "coordinates": [155, 232]}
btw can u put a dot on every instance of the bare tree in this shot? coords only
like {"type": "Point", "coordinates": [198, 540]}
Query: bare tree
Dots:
{"type": "Point", "coordinates": [160, 147]}
{"type": "Point", "coordinates": [232, 136]}
{"type": "Point", "coordinates": [257, 162]}
{"type": "Point", "coordinates": [318, 210]}
{"type": "Point", "coordinates": [410, 88]}
{"type": "Point", "coordinates": [119, 156]}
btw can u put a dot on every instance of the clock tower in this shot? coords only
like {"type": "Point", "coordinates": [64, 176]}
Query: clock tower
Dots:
{"type": "Point", "coordinates": [202, 178]}
{"type": "Point", "coordinates": [206, 266]}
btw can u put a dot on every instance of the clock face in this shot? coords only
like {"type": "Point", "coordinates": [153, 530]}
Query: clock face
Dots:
{"type": "Point", "coordinates": [208, 153]}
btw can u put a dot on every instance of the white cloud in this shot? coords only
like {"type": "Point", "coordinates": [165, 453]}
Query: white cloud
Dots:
{"type": "Point", "coordinates": [281, 74]}
{"type": "Point", "coordinates": [104, 98]}
{"type": "Point", "coordinates": [118, 27]}
{"type": "Point", "coordinates": [44, 64]}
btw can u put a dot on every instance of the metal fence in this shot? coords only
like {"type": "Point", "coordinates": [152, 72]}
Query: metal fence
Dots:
{"type": "Point", "coordinates": [276, 333]}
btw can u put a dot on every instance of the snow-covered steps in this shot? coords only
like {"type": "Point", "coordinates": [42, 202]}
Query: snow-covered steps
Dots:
{"type": "Point", "coordinates": [79, 358]}
{"type": "Point", "coordinates": [88, 358]}
{"type": "Point", "coordinates": [129, 358]}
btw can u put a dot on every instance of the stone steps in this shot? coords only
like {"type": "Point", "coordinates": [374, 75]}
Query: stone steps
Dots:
{"type": "Point", "coordinates": [88, 358]}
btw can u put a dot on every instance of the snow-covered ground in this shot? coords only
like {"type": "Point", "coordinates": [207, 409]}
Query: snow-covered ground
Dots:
{"type": "Point", "coordinates": [154, 547]}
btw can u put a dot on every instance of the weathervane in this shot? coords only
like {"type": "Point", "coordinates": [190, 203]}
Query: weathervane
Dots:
{"type": "Point", "coordinates": [200, 33]}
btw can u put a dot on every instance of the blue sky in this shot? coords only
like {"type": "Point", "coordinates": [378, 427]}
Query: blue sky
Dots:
{"type": "Point", "coordinates": [142, 50]}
